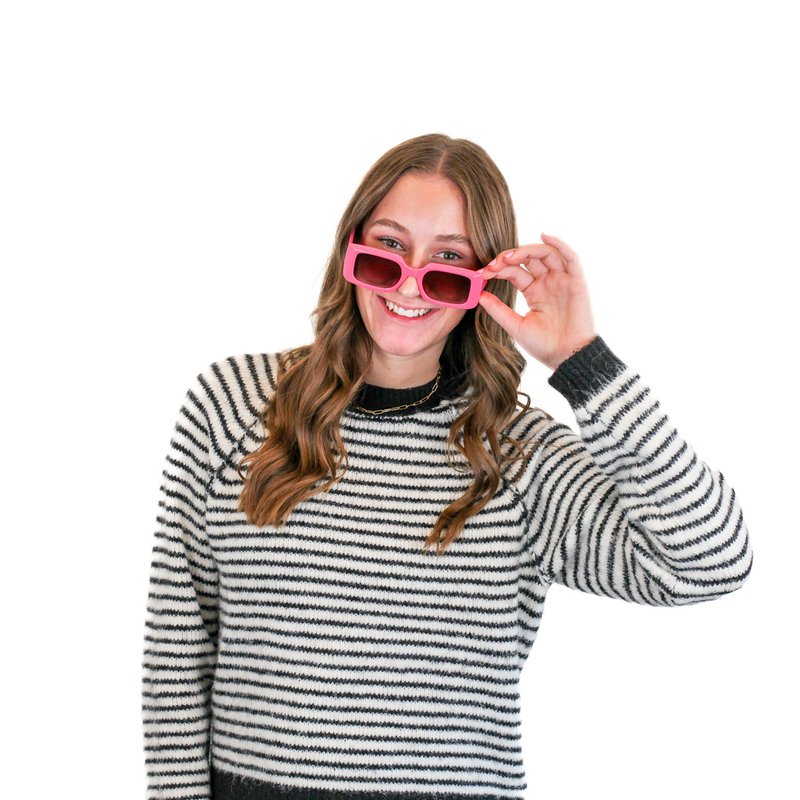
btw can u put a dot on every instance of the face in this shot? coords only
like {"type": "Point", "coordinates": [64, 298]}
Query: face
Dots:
{"type": "Point", "coordinates": [423, 218]}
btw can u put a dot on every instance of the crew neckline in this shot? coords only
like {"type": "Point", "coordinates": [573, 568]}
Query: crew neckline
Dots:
{"type": "Point", "coordinates": [375, 398]}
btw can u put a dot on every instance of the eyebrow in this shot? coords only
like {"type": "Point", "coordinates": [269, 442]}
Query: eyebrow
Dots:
{"type": "Point", "coordinates": [449, 237]}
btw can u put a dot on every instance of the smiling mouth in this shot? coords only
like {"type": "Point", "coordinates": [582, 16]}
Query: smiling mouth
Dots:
{"type": "Point", "coordinates": [405, 312]}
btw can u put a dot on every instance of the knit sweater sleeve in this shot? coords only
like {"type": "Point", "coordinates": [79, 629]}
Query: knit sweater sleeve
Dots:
{"type": "Point", "coordinates": [627, 509]}
{"type": "Point", "coordinates": [181, 625]}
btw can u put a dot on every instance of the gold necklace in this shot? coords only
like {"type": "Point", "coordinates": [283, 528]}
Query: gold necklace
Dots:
{"type": "Point", "coordinates": [406, 405]}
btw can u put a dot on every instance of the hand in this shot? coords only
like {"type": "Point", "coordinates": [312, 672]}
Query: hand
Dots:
{"type": "Point", "coordinates": [550, 278]}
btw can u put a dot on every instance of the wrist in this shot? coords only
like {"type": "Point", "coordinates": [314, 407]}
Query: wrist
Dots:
{"type": "Point", "coordinates": [584, 342]}
{"type": "Point", "coordinates": [586, 372]}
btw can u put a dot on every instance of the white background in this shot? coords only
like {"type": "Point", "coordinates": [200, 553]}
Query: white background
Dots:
{"type": "Point", "coordinates": [171, 177]}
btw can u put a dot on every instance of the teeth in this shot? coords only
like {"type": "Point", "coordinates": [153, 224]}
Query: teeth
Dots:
{"type": "Point", "coordinates": [405, 312]}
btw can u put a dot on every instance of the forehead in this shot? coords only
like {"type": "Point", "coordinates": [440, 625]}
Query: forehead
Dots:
{"type": "Point", "coordinates": [425, 204]}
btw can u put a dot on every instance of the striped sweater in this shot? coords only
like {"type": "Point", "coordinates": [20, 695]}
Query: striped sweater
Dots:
{"type": "Point", "coordinates": [333, 657]}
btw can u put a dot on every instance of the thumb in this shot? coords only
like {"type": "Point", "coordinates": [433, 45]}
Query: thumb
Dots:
{"type": "Point", "coordinates": [505, 317]}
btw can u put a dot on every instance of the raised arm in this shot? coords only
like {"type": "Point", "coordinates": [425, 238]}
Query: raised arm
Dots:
{"type": "Point", "coordinates": [181, 627]}
{"type": "Point", "coordinates": [628, 509]}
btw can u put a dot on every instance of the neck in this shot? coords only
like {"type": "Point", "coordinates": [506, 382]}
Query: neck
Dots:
{"type": "Point", "coordinates": [402, 373]}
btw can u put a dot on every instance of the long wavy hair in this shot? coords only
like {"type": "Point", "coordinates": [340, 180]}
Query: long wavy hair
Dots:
{"type": "Point", "coordinates": [303, 452]}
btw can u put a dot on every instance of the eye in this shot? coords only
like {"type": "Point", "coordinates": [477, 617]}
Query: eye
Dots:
{"type": "Point", "coordinates": [391, 244]}
{"type": "Point", "coordinates": [449, 255]}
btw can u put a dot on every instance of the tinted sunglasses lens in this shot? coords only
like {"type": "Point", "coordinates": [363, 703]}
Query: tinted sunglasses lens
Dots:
{"type": "Point", "coordinates": [376, 271]}
{"type": "Point", "coordinates": [445, 287]}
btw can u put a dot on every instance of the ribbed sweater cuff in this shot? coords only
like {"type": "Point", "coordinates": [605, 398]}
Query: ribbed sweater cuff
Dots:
{"type": "Point", "coordinates": [586, 372]}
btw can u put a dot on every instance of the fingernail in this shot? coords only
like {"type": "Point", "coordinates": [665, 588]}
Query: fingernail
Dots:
{"type": "Point", "coordinates": [492, 262]}
{"type": "Point", "coordinates": [509, 254]}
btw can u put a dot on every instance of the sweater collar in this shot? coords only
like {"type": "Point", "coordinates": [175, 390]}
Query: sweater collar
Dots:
{"type": "Point", "coordinates": [376, 398]}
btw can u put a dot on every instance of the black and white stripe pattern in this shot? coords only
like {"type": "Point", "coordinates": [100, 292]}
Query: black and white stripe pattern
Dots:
{"type": "Point", "coordinates": [339, 660]}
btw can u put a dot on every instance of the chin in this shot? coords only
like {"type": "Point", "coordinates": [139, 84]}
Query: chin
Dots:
{"type": "Point", "coordinates": [406, 349]}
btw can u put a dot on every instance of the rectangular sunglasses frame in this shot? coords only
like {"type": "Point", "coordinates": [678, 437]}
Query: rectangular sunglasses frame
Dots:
{"type": "Point", "coordinates": [477, 282]}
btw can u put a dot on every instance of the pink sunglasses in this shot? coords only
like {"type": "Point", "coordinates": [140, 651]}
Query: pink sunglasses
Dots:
{"type": "Point", "coordinates": [439, 284]}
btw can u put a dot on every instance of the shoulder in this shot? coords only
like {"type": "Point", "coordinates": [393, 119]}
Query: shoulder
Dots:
{"type": "Point", "coordinates": [232, 394]}
{"type": "Point", "coordinates": [241, 383]}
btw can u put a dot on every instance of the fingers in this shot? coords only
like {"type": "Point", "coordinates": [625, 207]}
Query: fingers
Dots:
{"type": "Point", "coordinates": [567, 253]}
{"type": "Point", "coordinates": [536, 266]}
{"type": "Point", "coordinates": [542, 253]}
{"type": "Point", "coordinates": [553, 254]}
{"type": "Point", "coordinates": [506, 317]}
{"type": "Point", "coordinates": [525, 267]}
{"type": "Point", "coordinates": [518, 277]}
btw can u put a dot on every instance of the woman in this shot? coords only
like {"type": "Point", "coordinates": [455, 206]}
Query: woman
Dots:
{"type": "Point", "coordinates": [356, 537]}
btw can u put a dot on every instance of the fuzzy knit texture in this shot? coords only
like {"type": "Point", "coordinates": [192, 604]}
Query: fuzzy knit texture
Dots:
{"type": "Point", "coordinates": [333, 657]}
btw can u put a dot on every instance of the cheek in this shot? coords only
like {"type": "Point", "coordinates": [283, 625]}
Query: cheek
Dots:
{"type": "Point", "coordinates": [452, 316]}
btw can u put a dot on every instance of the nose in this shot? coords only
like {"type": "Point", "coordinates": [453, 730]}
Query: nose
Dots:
{"type": "Point", "coordinates": [409, 287]}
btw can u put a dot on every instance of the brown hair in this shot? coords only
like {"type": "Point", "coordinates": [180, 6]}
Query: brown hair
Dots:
{"type": "Point", "coordinates": [303, 452]}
